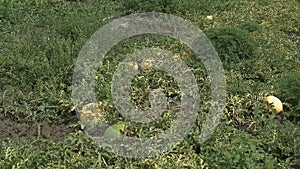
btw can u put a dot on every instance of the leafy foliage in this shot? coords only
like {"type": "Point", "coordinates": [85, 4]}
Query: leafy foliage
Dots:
{"type": "Point", "coordinates": [289, 87]}
{"type": "Point", "coordinates": [176, 6]}
{"type": "Point", "coordinates": [40, 41]}
{"type": "Point", "coordinates": [250, 26]}
{"type": "Point", "coordinates": [232, 44]}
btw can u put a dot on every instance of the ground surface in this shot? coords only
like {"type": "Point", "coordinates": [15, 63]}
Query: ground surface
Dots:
{"type": "Point", "coordinates": [40, 42]}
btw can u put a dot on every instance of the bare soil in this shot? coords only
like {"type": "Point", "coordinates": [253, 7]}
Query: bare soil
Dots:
{"type": "Point", "coordinates": [22, 130]}
{"type": "Point", "coordinates": [16, 129]}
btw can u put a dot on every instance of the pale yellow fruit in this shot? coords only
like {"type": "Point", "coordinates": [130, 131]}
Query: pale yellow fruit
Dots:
{"type": "Point", "coordinates": [275, 102]}
{"type": "Point", "coordinates": [147, 63]}
{"type": "Point", "coordinates": [134, 65]}
{"type": "Point", "coordinates": [176, 57]}
{"type": "Point", "coordinates": [91, 113]}
{"type": "Point", "coordinates": [209, 17]}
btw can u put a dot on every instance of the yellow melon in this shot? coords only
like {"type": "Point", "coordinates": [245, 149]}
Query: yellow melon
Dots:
{"type": "Point", "coordinates": [275, 102]}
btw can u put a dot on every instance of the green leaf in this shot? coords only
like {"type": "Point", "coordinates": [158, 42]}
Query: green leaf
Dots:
{"type": "Point", "coordinates": [114, 130]}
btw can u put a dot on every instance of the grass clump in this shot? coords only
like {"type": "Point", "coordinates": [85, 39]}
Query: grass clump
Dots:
{"type": "Point", "coordinates": [179, 7]}
{"type": "Point", "coordinates": [4, 7]}
{"type": "Point", "coordinates": [288, 89]}
{"type": "Point", "coordinates": [250, 26]}
{"type": "Point", "coordinates": [148, 6]}
{"type": "Point", "coordinates": [232, 44]}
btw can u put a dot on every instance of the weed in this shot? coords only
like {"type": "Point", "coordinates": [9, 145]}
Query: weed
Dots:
{"type": "Point", "coordinates": [232, 44]}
